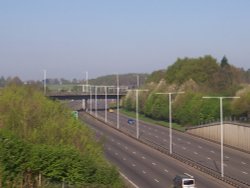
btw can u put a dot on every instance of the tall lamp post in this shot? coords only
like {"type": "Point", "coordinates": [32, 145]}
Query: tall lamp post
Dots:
{"type": "Point", "coordinates": [44, 81]}
{"type": "Point", "coordinates": [221, 128]}
{"type": "Point", "coordinates": [170, 117]}
{"type": "Point", "coordinates": [118, 102]}
{"type": "Point", "coordinates": [137, 109]}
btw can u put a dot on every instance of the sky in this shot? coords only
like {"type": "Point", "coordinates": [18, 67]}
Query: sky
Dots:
{"type": "Point", "coordinates": [69, 37]}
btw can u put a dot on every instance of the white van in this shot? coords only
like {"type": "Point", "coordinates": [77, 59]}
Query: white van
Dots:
{"type": "Point", "coordinates": [184, 181]}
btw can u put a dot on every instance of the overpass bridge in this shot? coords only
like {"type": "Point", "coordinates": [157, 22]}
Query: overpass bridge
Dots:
{"type": "Point", "coordinates": [88, 96]}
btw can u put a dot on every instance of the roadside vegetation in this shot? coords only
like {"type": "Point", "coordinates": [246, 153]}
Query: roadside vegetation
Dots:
{"type": "Point", "coordinates": [41, 144]}
{"type": "Point", "coordinates": [197, 77]}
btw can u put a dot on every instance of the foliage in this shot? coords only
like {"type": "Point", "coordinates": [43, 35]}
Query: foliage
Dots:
{"type": "Point", "coordinates": [241, 106]}
{"type": "Point", "coordinates": [197, 77]}
{"type": "Point", "coordinates": [45, 139]}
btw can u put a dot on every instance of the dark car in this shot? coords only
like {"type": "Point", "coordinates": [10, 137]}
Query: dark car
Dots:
{"type": "Point", "coordinates": [131, 121]}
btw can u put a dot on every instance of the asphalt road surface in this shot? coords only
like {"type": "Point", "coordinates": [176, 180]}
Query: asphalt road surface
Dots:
{"type": "Point", "coordinates": [143, 165]}
{"type": "Point", "coordinates": [236, 163]}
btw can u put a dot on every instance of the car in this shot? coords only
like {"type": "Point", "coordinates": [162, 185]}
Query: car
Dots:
{"type": "Point", "coordinates": [111, 110]}
{"type": "Point", "coordinates": [131, 121]}
{"type": "Point", "coordinates": [184, 181]}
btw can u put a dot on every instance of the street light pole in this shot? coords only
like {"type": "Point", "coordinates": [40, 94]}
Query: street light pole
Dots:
{"type": "Point", "coordinates": [44, 81]}
{"type": "Point", "coordinates": [170, 117]}
{"type": "Point", "coordinates": [96, 101]}
{"type": "Point", "coordinates": [137, 109]}
{"type": "Point", "coordinates": [106, 104]}
{"type": "Point", "coordinates": [221, 128]}
{"type": "Point", "coordinates": [118, 102]}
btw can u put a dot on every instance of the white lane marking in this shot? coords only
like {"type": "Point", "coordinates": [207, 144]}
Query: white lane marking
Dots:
{"type": "Point", "coordinates": [184, 148]}
{"type": "Point", "coordinates": [133, 165]}
{"type": "Point", "coordinates": [227, 157]}
{"type": "Point", "coordinates": [156, 180]}
{"type": "Point", "coordinates": [143, 157]}
{"type": "Point", "coordinates": [153, 164]}
{"type": "Point", "coordinates": [200, 147]}
{"type": "Point", "coordinates": [125, 177]}
{"type": "Point", "coordinates": [212, 151]}
{"type": "Point", "coordinates": [119, 143]}
{"type": "Point", "coordinates": [134, 152]}
{"type": "Point", "coordinates": [244, 172]}
{"type": "Point", "coordinates": [243, 163]}
{"type": "Point", "coordinates": [195, 153]}
{"type": "Point", "coordinates": [156, 136]}
{"type": "Point", "coordinates": [209, 158]}
{"type": "Point", "coordinates": [143, 172]}
{"type": "Point", "coordinates": [124, 159]}
{"type": "Point", "coordinates": [165, 170]}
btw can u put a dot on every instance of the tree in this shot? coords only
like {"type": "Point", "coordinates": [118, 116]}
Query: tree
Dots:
{"type": "Point", "coordinates": [224, 62]}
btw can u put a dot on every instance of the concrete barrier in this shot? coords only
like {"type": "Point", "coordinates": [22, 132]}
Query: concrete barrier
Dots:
{"type": "Point", "coordinates": [235, 134]}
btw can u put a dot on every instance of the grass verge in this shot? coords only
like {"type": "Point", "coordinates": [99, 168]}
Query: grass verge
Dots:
{"type": "Point", "coordinates": [149, 120]}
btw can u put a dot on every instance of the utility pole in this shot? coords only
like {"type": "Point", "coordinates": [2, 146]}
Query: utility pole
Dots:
{"type": "Point", "coordinates": [170, 117]}
{"type": "Point", "coordinates": [221, 128]}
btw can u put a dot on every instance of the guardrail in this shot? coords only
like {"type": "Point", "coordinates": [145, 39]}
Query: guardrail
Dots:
{"type": "Point", "coordinates": [227, 179]}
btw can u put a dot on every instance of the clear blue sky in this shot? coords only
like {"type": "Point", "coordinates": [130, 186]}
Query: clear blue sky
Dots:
{"type": "Point", "coordinates": [69, 37]}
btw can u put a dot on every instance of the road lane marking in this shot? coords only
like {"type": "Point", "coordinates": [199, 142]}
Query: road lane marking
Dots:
{"type": "Point", "coordinates": [119, 143]}
{"type": "Point", "coordinates": [166, 170]}
{"type": "Point", "coordinates": [212, 151]}
{"type": "Point", "coordinates": [156, 136]}
{"type": "Point", "coordinates": [195, 153]}
{"type": "Point", "coordinates": [134, 152]}
{"type": "Point", "coordinates": [244, 172]}
{"type": "Point", "coordinates": [209, 158]}
{"type": "Point", "coordinates": [124, 159]}
{"type": "Point", "coordinates": [143, 172]}
{"type": "Point", "coordinates": [200, 147]}
{"type": "Point", "coordinates": [243, 163]}
{"type": "Point", "coordinates": [156, 180]}
{"type": "Point", "coordinates": [184, 148]}
{"type": "Point", "coordinates": [125, 177]}
{"type": "Point", "coordinates": [133, 165]}
{"type": "Point", "coordinates": [153, 164]}
{"type": "Point", "coordinates": [143, 157]}
{"type": "Point", "coordinates": [227, 157]}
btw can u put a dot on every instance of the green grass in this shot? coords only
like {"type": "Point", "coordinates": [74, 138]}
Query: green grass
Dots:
{"type": "Point", "coordinates": [149, 120]}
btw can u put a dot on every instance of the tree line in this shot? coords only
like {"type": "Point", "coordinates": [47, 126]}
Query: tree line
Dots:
{"type": "Point", "coordinates": [197, 77]}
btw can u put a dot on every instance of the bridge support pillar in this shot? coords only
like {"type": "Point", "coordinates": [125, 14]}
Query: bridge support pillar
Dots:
{"type": "Point", "coordinates": [84, 104]}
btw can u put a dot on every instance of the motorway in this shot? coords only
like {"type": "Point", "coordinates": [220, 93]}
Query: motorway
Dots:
{"type": "Point", "coordinates": [143, 165]}
{"type": "Point", "coordinates": [236, 163]}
